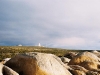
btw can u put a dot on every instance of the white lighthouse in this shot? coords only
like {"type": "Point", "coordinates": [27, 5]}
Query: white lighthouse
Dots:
{"type": "Point", "coordinates": [39, 45]}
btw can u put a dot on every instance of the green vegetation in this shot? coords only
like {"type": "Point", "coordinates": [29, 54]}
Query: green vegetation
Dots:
{"type": "Point", "coordinates": [10, 51]}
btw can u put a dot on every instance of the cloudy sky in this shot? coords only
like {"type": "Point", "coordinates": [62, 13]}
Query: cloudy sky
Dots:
{"type": "Point", "coordinates": [72, 24]}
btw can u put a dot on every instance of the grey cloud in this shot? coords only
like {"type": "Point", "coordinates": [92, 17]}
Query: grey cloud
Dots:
{"type": "Point", "coordinates": [31, 22]}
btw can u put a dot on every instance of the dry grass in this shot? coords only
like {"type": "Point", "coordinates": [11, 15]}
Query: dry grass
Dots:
{"type": "Point", "coordinates": [10, 51]}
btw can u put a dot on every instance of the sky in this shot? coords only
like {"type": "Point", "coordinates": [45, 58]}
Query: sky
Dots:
{"type": "Point", "coordinates": [69, 24]}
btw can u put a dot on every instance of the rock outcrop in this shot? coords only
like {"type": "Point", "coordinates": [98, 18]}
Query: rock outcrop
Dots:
{"type": "Point", "coordinates": [70, 55]}
{"type": "Point", "coordinates": [4, 70]}
{"type": "Point", "coordinates": [5, 60]}
{"type": "Point", "coordinates": [87, 60]}
{"type": "Point", "coordinates": [38, 64]}
{"type": "Point", "coordinates": [79, 70]}
{"type": "Point", "coordinates": [34, 63]}
{"type": "Point", "coordinates": [96, 53]}
{"type": "Point", "coordinates": [65, 60]}
{"type": "Point", "coordinates": [9, 71]}
{"type": "Point", "coordinates": [1, 69]}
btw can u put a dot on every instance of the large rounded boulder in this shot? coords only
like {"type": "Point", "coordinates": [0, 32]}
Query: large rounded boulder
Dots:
{"type": "Point", "coordinates": [37, 64]}
{"type": "Point", "coordinates": [87, 60]}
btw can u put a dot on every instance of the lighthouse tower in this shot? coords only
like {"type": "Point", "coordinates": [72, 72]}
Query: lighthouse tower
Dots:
{"type": "Point", "coordinates": [39, 45]}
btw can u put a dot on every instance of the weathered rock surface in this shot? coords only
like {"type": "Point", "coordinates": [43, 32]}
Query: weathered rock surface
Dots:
{"type": "Point", "coordinates": [9, 71]}
{"type": "Point", "coordinates": [79, 70]}
{"type": "Point", "coordinates": [5, 60]}
{"type": "Point", "coordinates": [96, 53]}
{"type": "Point", "coordinates": [4, 70]}
{"type": "Point", "coordinates": [87, 60]}
{"type": "Point", "coordinates": [38, 64]}
{"type": "Point", "coordinates": [65, 60]}
{"type": "Point", "coordinates": [34, 63]}
{"type": "Point", "coordinates": [70, 55]}
{"type": "Point", "coordinates": [1, 69]}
